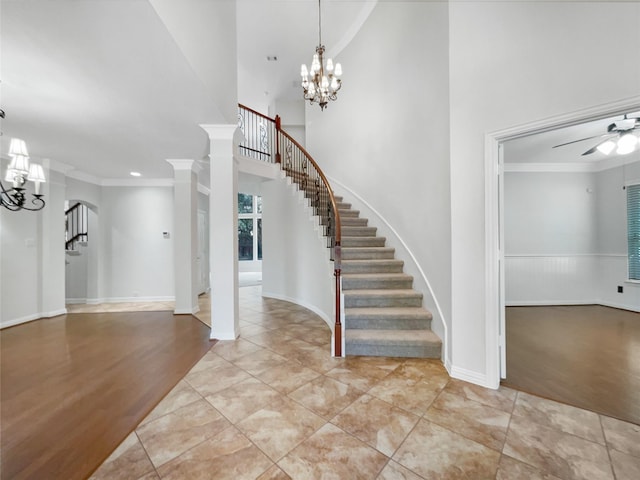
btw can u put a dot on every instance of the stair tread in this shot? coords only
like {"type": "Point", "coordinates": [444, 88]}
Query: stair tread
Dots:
{"type": "Point", "coordinates": [366, 261]}
{"type": "Point", "coordinates": [397, 292]}
{"type": "Point", "coordinates": [390, 275]}
{"type": "Point", "coordinates": [387, 312]}
{"type": "Point", "coordinates": [392, 337]}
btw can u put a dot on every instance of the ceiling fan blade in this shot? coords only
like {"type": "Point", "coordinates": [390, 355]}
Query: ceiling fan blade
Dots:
{"type": "Point", "coordinates": [591, 150]}
{"type": "Point", "coordinates": [576, 141]}
{"type": "Point", "coordinates": [595, 147]}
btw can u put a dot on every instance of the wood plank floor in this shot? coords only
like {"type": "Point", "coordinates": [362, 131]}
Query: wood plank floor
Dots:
{"type": "Point", "coordinates": [73, 387]}
{"type": "Point", "coordinates": [587, 356]}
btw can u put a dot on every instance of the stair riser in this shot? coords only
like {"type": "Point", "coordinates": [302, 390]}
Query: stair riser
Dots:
{"type": "Point", "coordinates": [349, 213]}
{"type": "Point", "coordinates": [354, 301]}
{"type": "Point", "coordinates": [387, 323]}
{"type": "Point", "coordinates": [395, 267]}
{"type": "Point", "coordinates": [376, 283]}
{"type": "Point", "coordinates": [412, 351]}
{"type": "Point", "coordinates": [353, 222]}
{"type": "Point", "coordinates": [366, 254]}
{"type": "Point", "coordinates": [363, 241]}
{"type": "Point", "coordinates": [359, 231]}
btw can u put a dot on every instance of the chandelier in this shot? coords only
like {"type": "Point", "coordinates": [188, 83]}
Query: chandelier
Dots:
{"type": "Point", "coordinates": [321, 81]}
{"type": "Point", "coordinates": [19, 171]}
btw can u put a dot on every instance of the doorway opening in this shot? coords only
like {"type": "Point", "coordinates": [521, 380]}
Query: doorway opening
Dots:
{"type": "Point", "coordinates": [497, 258]}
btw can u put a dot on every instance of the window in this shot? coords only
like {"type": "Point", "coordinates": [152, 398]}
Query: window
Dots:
{"type": "Point", "coordinates": [249, 227]}
{"type": "Point", "coordinates": [633, 231]}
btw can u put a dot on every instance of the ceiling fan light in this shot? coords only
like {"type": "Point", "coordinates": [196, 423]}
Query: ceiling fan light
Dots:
{"type": "Point", "coordinates": [606, 147]}
{"type": "Point", "coordinates": [627, 144]}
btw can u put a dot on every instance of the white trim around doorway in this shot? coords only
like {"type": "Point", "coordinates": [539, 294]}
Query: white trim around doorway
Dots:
{"type": "Point", "coordinates": [494, 222]}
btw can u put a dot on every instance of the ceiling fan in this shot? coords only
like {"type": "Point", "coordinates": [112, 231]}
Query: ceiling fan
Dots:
{"type": "Point", "coordinates": [620, 136]}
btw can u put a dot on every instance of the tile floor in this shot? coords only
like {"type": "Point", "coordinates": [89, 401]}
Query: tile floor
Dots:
{"type": "Point", "coordinates": [275, 405]}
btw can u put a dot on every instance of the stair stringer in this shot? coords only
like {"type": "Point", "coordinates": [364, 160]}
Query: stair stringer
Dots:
{"type": "Point", "coordinates": [322, 303]}
{"type": "Point", "coordinates": [411, 266]}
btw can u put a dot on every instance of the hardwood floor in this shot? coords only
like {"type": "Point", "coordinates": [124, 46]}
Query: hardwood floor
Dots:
{"type": "Point", "coordinates": [587, 356]}
{"type": "Point", "coordinates": [73, 387]}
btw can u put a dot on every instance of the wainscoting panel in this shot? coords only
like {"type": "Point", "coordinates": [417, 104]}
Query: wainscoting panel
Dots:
{"type": "Point", "coordinates": [612, 273]}
{"type": "Point", "coordinates": [551, 280]}
{"type": "Point", "coordinates": [570, 280]}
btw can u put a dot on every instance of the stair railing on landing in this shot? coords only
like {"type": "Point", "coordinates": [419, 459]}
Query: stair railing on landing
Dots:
{"type": "Point", "coordinates": [77, 226]}
{"type": "Point", "coordinates": [265, 140]}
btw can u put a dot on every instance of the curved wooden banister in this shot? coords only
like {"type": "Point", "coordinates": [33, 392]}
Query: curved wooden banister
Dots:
{"type": "Point", "coordinates": [265, 140]}
{"type": "Point", "coordinates": [334, 204]}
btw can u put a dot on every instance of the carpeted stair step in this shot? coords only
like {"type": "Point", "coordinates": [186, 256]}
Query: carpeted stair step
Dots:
{"type": "Point", "coordinates": [338, 198]}
{"type": "Point", "coordinates": [348, 231]}
{"type": "Point", "coordinates": [389, 318]}
{"type": "Point", "coordinates": [353, 222]}
{"type": "Point", "coordinates": [372, 281]}
{"type": "Point", "coordinates": [382, 298]}
{"type": "Point", "coordinates": [373, 266]}
{"type": "Point", "coordinates": [343, 206]}
{"type": "Point", "coordinates": [349, 213]}
{"type": "Point", "coordinates": [348, 242]}
{"type": "Point", "coordinates": [393, 343]}
{"type": "Point", "coordinates": [364, 253]}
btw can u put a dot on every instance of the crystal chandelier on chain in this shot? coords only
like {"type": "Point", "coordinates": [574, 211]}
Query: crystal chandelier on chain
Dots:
{"type": "Point", "coordinates": [321, 81]}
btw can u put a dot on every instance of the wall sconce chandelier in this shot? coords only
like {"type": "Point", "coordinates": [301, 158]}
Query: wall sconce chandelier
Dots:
{"type": "Point", "coordinates": [321, 81]}
{"type": "Point", "coordinates": [19, 171]}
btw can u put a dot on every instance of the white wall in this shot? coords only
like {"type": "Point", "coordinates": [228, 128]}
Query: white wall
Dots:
{"type": "Point", "coordinates": [566, 238]}
{"type": "Point", "coordinates": [612, 236]}
{"type": "Point", "coordinates": [137, 259]}
{"type": "Point", "coordinates": [386, 138]}
{"type": "Point", "coordinates": [32, 258]}
{"type": "Point", "coordinates": [512, 63]}
{"type": "Point", "coordinates": [296, 266]}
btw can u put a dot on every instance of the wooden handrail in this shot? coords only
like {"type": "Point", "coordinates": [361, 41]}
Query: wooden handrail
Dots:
{"type": "Point", "coordinates": [334, 204]}
{"type": "Point", "coordinates": [306, 183]}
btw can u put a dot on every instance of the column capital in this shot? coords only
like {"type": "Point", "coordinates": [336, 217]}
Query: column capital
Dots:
{"type": "Point", "coordinates": [184, 164]}
{"type": "Point", "coordinates": [220, 131]}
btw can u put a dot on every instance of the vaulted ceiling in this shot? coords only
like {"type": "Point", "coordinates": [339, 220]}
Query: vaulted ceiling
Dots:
{"type": "Point", "coordinates": [111, 86]}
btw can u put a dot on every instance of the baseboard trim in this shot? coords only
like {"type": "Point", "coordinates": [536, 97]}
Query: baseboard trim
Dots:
{"type": "Point", "coordinates": [472, 377]}
{"type": "Point", "coordinates": [75, 301]}
{"type": "Point", "coordinates": [542, 303]}
{"type": "Point", "coordinates": [96, 301]}
{"type": "Point", "coordinates": [186, 311]}
{"type": "Point", "coordinates": [555, 303]}
{"type": "Point", "coordinates": [31, 318]}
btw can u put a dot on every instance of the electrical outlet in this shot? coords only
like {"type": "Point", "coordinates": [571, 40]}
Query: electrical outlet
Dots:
{"type": "Point", "coordinates": [620, 289]}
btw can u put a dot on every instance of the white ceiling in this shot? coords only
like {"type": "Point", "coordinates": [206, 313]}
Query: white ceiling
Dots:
{"type": "Point", "coordinates": [539, 148]}
{"type": "Point", "coordinates": [107, 86]}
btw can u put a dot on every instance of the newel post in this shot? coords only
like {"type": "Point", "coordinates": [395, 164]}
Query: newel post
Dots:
{"type": "Point", "coordinates": [278, 129]}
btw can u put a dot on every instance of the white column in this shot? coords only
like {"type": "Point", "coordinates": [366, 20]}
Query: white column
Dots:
{"type": "Point", "coordinates": [223, 228]}
{"type": "Point", "coordinates": [185, 235]}
{"type": "Point", "coordinates": [51, 247]}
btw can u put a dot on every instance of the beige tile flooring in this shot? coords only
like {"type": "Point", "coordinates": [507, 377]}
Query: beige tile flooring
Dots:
{"type": "Point", "coordinates": [275, 405]}
{"type": "Point", "coordinates": [204, 303]}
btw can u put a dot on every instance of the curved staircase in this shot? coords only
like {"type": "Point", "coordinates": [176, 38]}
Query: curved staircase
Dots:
{"type": "Point", "coordinates": [383, 314]}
